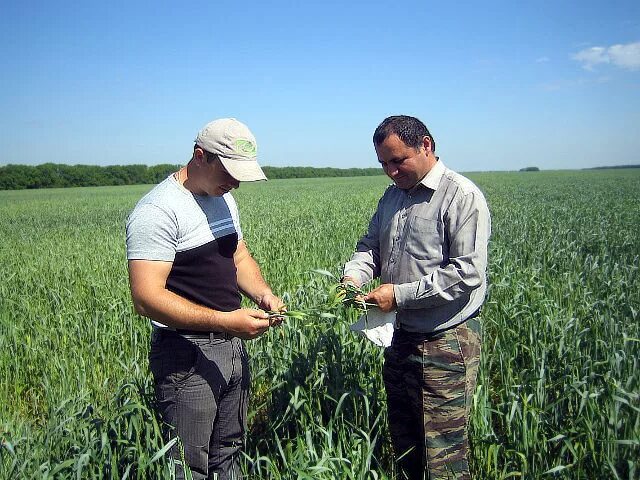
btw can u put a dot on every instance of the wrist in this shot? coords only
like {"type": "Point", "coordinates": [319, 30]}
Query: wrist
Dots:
{"type": "Point", "coordinates": [348, 279]}
{"type": "Point", "coordinates": [259, 299]}
{"type": "Point", "coordinates": [218, 321]}
{"type": "Point", "coordinates": [353, 277]}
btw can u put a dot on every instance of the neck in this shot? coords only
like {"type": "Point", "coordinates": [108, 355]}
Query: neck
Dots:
{"type": "Point", "coordinates": [187, 181]}
{"type": "Point", "coordinates": [181, 175]}
{"type": "Point", "coordinates": [432, 160]}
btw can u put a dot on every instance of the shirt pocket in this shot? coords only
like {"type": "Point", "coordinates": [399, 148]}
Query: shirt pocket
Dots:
{"type": "Point", "coordinates": [424, 240]}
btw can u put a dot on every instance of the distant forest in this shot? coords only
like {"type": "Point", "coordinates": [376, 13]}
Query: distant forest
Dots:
{"type": "Point", "coordinates": [52, 175]}
{"type": "Point", "coordinates": [615, 166]}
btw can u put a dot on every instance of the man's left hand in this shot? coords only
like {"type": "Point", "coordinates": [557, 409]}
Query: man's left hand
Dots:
{"type": "Point", "coordinates": [383, 296]}
{"type": "Point", "coordinates": [272, 303]}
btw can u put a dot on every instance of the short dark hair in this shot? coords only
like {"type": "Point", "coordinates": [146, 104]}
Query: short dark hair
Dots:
{"type": "Point", "coordinates": [409, 129]}
{"type": "Point", "coordinates": [209, 157]}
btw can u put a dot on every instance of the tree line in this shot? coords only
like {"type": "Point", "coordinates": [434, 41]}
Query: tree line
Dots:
{"type": "Point", "coordinates": [614, 166]}
{"type": "Point", "coordinates": [53, 175]}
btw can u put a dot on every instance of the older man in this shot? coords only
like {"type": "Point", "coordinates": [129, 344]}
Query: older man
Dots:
{"type": "Point", "coordinates": [427, 242]}
{"type": "Point", "coordinates": [188, 263]}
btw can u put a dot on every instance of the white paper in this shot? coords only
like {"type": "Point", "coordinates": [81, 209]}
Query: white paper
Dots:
{"type": "Point", "coordinates": [376, 325]}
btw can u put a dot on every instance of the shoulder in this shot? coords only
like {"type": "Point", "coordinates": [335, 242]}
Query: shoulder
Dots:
{"type": "Point", "coordinates": [463, 193]}
{"type": "Point", "coordinates": [163, 194]}
{"type": "Point", "coordinates": [461, 183]}
{"type": "Point", "coordinates": [233, 209]}
{"type": "Point", "coordinates": [390, 192]}
{"type": "Point", "coordinates": [388, 198]}
{"type": "Point", "coordinates": [230, 201]}
{"type": "Point", "coordinates": [162, 201]}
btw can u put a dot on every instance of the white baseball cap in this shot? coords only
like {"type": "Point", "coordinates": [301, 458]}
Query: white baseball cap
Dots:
{"type": "Point", "coordinates": [236, 147]}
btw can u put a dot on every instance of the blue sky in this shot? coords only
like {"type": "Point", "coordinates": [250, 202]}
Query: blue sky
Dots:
{"type": "Point", "coordinates": [501, 85]}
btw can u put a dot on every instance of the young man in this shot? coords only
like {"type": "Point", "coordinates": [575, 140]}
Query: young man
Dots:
{"type": "Point", "coordinates": [427, 242]}
{"type": "Point", "coordinates": [188, 264]}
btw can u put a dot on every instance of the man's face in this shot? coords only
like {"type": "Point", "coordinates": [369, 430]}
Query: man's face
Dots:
{"type": "Point", "coordinates": [403, 164]}
{"type": "Point", "coordinates": [216, 178]}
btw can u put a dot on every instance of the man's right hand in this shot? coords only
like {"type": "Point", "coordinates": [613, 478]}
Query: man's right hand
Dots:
{"type": "Point", "coordinates": [245, 323]}
{"type": "Point", "coordinates": [350, 280]}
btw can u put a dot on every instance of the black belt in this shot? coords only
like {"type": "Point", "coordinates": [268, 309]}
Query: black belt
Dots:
{"type": "Point", "coordinates": [196, 333]}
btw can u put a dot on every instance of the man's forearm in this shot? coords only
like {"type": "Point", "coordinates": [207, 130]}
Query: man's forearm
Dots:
{"type": "Point", "coordinates": [361, 267]}
{"type": "Point", "coordinates": [441, 286]}
{"type": "Point", "coordinates": [250, 280]}
{"type": "Point", "coordinates": [175, 311]}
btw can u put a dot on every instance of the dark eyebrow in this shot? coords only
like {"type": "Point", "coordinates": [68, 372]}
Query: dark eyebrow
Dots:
{"type": "Point", "coordinates": [394, 160]}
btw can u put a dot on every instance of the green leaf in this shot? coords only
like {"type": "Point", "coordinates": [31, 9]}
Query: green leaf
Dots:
{"type": "Point", "coordinates": [160, 453]}
{"type": "Point", "coordinates": [326, 273]}
{"type": "Point", "coordinates": [557, 469]}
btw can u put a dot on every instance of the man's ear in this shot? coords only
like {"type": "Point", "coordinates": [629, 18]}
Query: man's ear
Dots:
{"type": "Point", "coordinates": [426, 143]}
{"type": "Point", "coordinates": [199, 156]}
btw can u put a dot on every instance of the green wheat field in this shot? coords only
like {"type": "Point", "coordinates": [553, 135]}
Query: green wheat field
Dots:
{"type": "Point", "coordinates": [558, 391]}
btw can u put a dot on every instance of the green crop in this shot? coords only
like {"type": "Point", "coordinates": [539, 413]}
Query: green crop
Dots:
{"type": "Point", "coordinates": [559, 385]}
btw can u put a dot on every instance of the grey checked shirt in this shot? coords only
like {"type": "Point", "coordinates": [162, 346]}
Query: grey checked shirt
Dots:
{"type": "Point", "coordinates": [430, 242]}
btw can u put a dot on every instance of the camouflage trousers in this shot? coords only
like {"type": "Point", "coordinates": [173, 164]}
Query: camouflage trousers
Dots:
{"type": "Point", "coordinates": [430, 379]}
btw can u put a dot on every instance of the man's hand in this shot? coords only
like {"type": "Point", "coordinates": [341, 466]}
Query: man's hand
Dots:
{"type": "Point", "coordinates": [272, 303]}
{"type": "Point", "coordinates": [383, 296]}
{"type": "Point", "coordinates": [246, 323]}
{"type": "Point", "coordinates": [350, 280]}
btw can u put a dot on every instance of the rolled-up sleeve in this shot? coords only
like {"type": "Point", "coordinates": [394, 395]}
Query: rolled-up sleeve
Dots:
{"type": "Point", "coordinates": [467, 229]}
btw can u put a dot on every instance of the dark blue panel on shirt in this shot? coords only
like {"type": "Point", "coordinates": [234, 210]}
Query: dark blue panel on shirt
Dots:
{"type": "Point", "coordinates": [206, 275]}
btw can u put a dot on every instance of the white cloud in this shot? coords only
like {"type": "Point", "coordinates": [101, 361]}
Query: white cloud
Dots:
{"type": "Point", "coordinates": [542, 60]}
{"type": "Point", "coordinates": [624, 56]}
{"type": "Point", "coordinates": [591, 56]}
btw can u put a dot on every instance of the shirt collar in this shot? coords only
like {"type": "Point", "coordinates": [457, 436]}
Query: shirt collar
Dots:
{"type": "Point", "coordinates": [432, 179]}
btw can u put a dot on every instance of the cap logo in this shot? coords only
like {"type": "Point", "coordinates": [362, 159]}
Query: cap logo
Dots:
{"type": "Point", "coordinates": [246, 147]}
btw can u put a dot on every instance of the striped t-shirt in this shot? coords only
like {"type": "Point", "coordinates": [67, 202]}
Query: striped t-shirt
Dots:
{"type": "Point", "coordinates": [197, 233]}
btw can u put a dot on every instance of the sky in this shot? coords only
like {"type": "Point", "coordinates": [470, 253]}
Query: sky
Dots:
{"type": "Point", "coordinates": [500, 85]}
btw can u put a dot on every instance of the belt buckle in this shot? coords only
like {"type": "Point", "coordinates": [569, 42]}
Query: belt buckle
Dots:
{"type": "Point", "coordinates": [219, 335]}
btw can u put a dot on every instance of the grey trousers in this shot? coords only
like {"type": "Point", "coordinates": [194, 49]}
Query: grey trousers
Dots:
{"type": "Point", "coordinates": [202, 388]}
